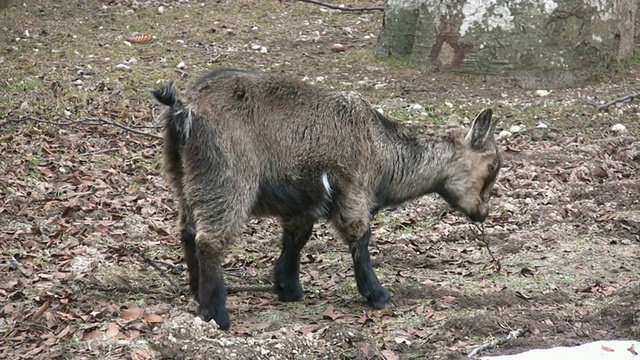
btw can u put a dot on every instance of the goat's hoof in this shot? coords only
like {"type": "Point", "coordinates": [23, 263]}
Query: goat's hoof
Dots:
{"type": "Point", "coordinates": [288, 295]}
{"type": "Point", "coordinates": [221, 317]}
{"type": "Point", "coordinates": [380, 299]}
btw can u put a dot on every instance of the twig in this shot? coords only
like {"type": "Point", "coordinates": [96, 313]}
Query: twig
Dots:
{"type": "Point", "coordinates": [84, 121]}
{"type": "Point", "coordinates": [101, 151]}
{"type": "Point", "coordinates": [249, 288]}
{"type": "Point", "coordinates": [11, 264]}
{"type": "Point", "coordinates": [344, 8]}
{"type": "Point", "coordinates": [483, 238]}
{"type": "Point", "coordinates": [514, 334]}
{"type": "Point", "coordinates": [523, 131]}
{"type": "Point", "coordinates": [153, 265]}
{"type": "Point", "coordinates": [618, 100]}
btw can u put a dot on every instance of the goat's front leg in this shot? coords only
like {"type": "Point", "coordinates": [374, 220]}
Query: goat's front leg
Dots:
{"type": "Point", "coordinates": [366, 279]}
{"type": "Point", "coordinates": [295, 234]}
{"type": "Point", "coordinates": [352, 222]}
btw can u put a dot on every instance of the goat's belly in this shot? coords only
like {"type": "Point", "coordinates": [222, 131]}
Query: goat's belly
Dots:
{"type": "Point", "coordinates": [293, 199]}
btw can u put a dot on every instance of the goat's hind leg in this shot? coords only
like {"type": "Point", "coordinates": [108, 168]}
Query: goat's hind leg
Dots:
{"type": "Point", "coordinates": [295, 233]}
{"type": "Point", "coordinates": [188, 240]}
{"type": "Point", "coordinates": [219, 214]}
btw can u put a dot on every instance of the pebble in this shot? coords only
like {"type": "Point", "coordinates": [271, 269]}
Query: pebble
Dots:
{"type": "Point", "coordinates": [129, 12]}
{"type": "Point", "coordinates": [542, 93]}
{"type": "Point", "coordinates": [181, 65]}
{"type": "Point", "coordinates": [338, 48]}
{"type": "Point", "coordinates": [133, 61]}
{"type": "Point", "coordinates": [515, 128]}
{"type": "Point", "coordinates": [380, 111]}
{"type": "Point", "coordinates": [504, 134]}
{"type": "Point", "coordinates": [161, 9]}
{"type": "Point", "coordinates": [78, 82]}
{"type": "Point", "coordinates": [619, 128]}
{"type": "Point", "coordinates": [542, 126]}
{"type": "Point", "coordinates": [379, 86]}
{"type": "Point", "coordinates": [264, 50]}
{"type": "Point", "coordinates": [123, 67]}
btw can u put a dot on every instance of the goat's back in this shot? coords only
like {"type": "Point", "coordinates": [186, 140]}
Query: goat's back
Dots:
{"type": "Point", "coordinates": [282, 123]}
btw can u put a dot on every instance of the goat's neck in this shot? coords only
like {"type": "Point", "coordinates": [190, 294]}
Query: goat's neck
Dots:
{"type": "Point", "coordinates": [415, 165]}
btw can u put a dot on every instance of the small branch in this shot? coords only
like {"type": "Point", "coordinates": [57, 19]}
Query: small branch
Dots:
{"type": "Point", "coordinates": [514, 334]}
{"type": "Point", "coordinates": [153, 265]}
{"type": "Point", "coordinates": [618, 100]}
{"type": "Point", "coordinates": [483, 238]}
{"type": "Point", "coordinates": [85, 121]}
{"type": "Point", "coordinates": [11, 264]}
{"type": "Point", "coordinates": [343, 8]}
{"type": "Point", "coordinates": [249, 288]}
{"type": "Point", "coordinates": [101, 151]}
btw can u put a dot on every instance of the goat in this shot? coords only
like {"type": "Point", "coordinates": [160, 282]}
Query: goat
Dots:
{"type": "Point", "coordinates": [241, 143]}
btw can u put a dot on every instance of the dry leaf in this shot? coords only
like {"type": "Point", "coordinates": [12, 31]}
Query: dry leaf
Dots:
{"type": "Point", "coordinates": [389, 355]}
{"type": "Point", "coordinates": [41, 310]}
{"type": "Point", "coordinates": [153, 318]}
{"type": "Point", "coordinates": [606, 348]}
{"type": "Point", "coordinates": [330, 314]}
{"type": "Point", "coordinates": [132, 313]}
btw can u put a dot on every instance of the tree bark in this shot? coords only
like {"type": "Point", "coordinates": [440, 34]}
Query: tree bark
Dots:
{"type": "Point", "coordinates": [539, 43]}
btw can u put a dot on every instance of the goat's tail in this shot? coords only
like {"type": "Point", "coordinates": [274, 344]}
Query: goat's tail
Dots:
{"type": "Point", "coordinates": [178, 119]}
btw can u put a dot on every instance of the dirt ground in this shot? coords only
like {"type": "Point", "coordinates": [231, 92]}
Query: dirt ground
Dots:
{"type": "Point", "coordinates": [91, 267]}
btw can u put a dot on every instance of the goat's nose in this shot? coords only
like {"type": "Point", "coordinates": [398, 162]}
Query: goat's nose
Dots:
{"type": "Point", "coordinates": [478, 216]}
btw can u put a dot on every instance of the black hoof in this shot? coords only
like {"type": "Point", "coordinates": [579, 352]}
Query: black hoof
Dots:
{"type": "Point", "coordinates": [379, 299]}
{"type": "Point", "coordinates": [220, 316]}
{"type": "Point", "coordinates": [288, 294]}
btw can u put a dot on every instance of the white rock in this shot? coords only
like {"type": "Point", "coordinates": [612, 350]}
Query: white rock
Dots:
{"type": "Point", "coordinates": [126, 43]}
{"type": "Point", "coordinates": [516, 128]}
{"type": "Point", "coordinates": [379, 86]}
{"type": "Point", "coordinates": [542, 93]}
{"type": "Point", "coordinates": [448, 104]}
{"type": "Point", "coordinates": [320, 79]}
{"type": "Point", "coordinates": [26, 33]}
{"type": "Point", "coordinates": [416, 107]}
{"type": "Point", "coordinates": [619, 128]}
{"type": "Point", "coordinates": [264, 50]}
{"type": "Point", "coordinates": [504, 95]}
{"type": "Point", "coordinates": [78, 82]}
{"type": "Point", "coordinates": [133, 61]}
{"type": "Point", "coordinates": [181, 65]}
{"type": "Point", "coordinates": [123, 67]}
{"type": "Point", "coordinates": [504, 134]}
{"type": "Point", "coordinates": [542, 125]}
{"type": "Point", "coordinates": [256, 47]}
{"type": "Point", "coordinates": [161, 9]}
{"type": "Point", "coordinates": [380, 111]}
{"type": "Point", "coordinates": [129, 12]}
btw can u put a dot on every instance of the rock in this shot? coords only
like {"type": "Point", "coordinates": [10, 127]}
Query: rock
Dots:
{"type": "Point", "coordinates": [379, 86]}
{"type": "Point", "coordinates": [123, 67]}
{"type": "Point", "coordinates": [516, 128]}
{"type": "Point", "coordinates": [181, 65]}
{"type": "Point", "coordinates": [504, 134]}
{"type": "Point", "coordinates": [542, 126]}
{"type": "Point", "coordinates": [161, 9]}
{"type": "Point", "coordinates": [133, 61]}
{"type": "Point", "coordinates": [619, 128]}
{"type": "Point", "coordinates": [380, 111]}
{"type": "Point", "coordinates": [255, 47]}
{"type": "Point", "coordinates": [77, 82]}
{"type": "Point", "coordinates": [129, 12]}
{"type": "Point", "coordinates": [264, 50]}
{"type": "Point", "coordinates": [338, 48]}
{"type": "Point", "coordinates": [542, 93]}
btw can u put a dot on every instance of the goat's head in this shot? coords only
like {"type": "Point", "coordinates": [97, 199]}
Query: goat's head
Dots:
{"type": "Point", "coordinates": [469, 180]}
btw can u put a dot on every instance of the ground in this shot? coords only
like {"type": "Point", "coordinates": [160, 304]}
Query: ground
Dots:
{"type": "Point", "coordinates": [91, 266]}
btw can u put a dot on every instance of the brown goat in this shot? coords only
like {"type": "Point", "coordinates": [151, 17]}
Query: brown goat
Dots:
{"type": "Point", "coordinates": [241, 144]}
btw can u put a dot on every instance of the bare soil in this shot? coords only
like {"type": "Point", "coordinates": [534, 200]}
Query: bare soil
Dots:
{"type": "Point", "coordinates": [91, 266]}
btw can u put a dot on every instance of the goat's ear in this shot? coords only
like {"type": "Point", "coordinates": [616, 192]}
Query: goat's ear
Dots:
{"type": "Point", "coordinates": [482, 129]}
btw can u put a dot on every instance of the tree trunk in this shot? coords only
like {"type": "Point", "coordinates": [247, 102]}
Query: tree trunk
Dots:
{"type": "Point", "coordinates": [539, 43]}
